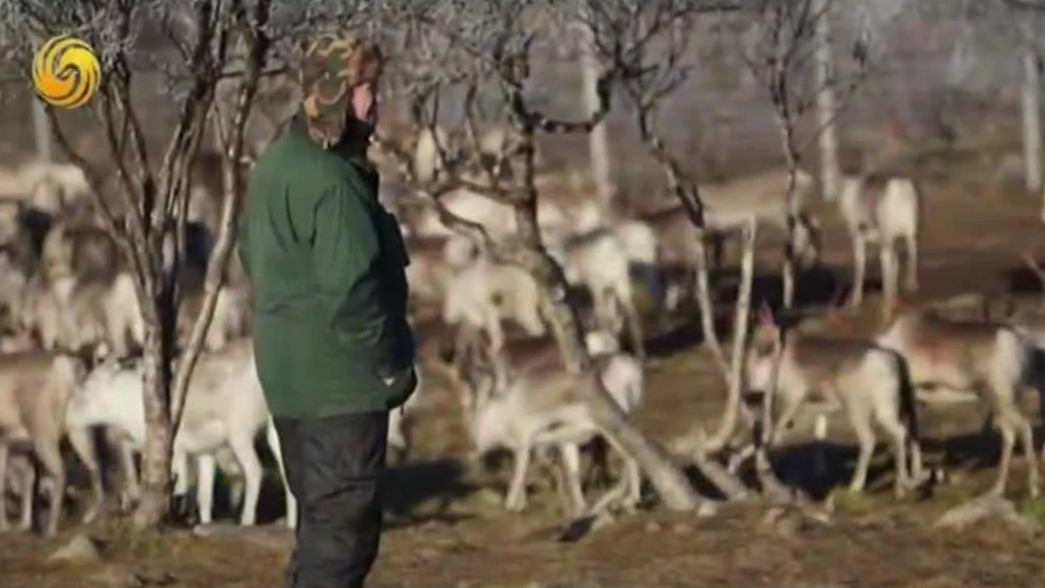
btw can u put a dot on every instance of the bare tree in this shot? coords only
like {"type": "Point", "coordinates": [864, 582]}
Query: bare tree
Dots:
{"type": "Point", "coordinates": [1027, 16]}
{"type": "Point", "coordinates": [41, 132]}
{"type": "Point", "coordinates": [648, 41]}
{"type": "Point", "coordinates": [1031, 103]}
{"type": "Point", "coordinates": [830, 173]}
{"type": "Point", "coordinates": [780, 55]}
{"type": "Point", "coordinates": [151, 186]}
{"type": "Point", "coordinates": [598, 139]}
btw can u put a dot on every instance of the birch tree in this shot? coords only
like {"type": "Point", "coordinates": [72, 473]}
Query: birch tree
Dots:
{"type": "Point", "coordinates": [598, 138]}
{"type": "Point", "coordinates": [780, 57]}
{"type": "Point", "coordinates": [151, 186]}
{"type": "Point", "coordinates": [830, 173]}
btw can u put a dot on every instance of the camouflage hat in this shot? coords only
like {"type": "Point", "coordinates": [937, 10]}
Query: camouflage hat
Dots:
{"type": "Point", "coordinates": [333, 65]}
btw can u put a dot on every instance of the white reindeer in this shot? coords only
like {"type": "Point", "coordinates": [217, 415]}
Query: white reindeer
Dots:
{"type": "Point", "coordinates": [883, 211]}
{"type": "Point", "coordinates": [225, 408]}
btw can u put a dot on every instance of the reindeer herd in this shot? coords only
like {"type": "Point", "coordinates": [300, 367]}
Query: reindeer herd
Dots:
{"type": "Point", "coordinates": [70, 363]}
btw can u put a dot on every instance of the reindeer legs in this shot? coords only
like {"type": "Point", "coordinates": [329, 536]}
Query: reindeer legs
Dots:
{"type": "Point", "coordinates": [571, 461]}
{"type": "Point", "coordinates": [205, 470]}
{"type": "Point", "coordinates": [4, 476]}
{"type": "Point", "coordinates": [911, 281]}
{"type": "Point", "coordinates": [81, 441]}
{"type": "Point", "coordinates": [859, 270]}
{"type": "Point", "coordinates": [515, 501]}
{"type": "Point", "coordinates": [890, 277]}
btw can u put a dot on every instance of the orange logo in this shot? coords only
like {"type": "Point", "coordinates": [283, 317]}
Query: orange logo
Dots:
{"type": "Point", "coordinates": [66, 72]}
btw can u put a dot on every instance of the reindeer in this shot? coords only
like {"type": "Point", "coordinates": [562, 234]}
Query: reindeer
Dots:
{"type": "Point", "coordinates": [599, 261]}
{"type": "Point", "coordinates": [869, 383]}
{"type": "Point", "coordinates": [72, 314]}
{"type": "Point", "coordinates": [228, 323]}
{"type": "Point", "coordinates": [542, 405]}
{"type": "Point", "coordinates": [728, 206]}
{"type": "Point", "coordinates": [79, 249]}
{"type": "Point", "coordinates": [433, 261]}
{"type": "Point", "coordinates": [882, 210]}
{"type": "Point", "coordinates": [225, 408]}
{"type": "Point", "coordinates": [484, 293]}
{"type": "Point", "coordinates": [35, 387]}
{"type": "Point", "coordinates": [952, 361]}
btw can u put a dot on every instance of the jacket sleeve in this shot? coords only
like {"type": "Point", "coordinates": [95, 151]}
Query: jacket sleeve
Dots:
{"type": "Point", "coordinates": [345, 248]}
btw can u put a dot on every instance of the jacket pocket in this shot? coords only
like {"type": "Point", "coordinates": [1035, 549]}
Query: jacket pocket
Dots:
{"type": "Point", "coordinates": [399, 384]}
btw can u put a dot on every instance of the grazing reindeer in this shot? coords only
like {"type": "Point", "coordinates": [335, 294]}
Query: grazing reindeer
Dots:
{"type": "Point", "coordinates": [960, 358]}
{"type": "Point", "coordinates": [542, 405]}
{"type": "Point", "coordinates": [883, 211]}
{"type": "Point", "coordinates": [866, 381]}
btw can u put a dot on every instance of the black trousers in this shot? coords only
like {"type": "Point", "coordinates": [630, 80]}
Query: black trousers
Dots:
{"type": "Point", "coordinates": [334, 467]}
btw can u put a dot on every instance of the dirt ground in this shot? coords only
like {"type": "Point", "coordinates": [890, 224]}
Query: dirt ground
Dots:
{"type": "Point", "coordinates": [450, 531]}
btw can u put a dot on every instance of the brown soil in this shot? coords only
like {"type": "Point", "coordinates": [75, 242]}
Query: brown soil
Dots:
{"type": "Point", "coordinates": [455, 534]}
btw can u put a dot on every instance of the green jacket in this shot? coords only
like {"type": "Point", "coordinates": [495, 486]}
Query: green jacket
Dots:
{"type": "Point", "coordinates": [326, 262]}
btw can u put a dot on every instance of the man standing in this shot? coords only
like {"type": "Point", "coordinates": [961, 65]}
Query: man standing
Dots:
{"type": "Point", "coordinates": [333, 348]}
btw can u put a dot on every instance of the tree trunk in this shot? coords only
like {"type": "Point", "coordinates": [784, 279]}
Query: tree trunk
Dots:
{"type": "Point", "coordinates": [735, 379]}
{"type": "Point", "coordinates": [672, 485]}
{"type": "Point", "coordinates": [1032, 144]}
{"type": "Point", "coordinates": [598, 141]}
{"type": "Point", "coordinates": [42, 131]}
{"type": "Point", "coordinates": [159, 437]}
{"type": "Point", "coordinates": [830, 174]}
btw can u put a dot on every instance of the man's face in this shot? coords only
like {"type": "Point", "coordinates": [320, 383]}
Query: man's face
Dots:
{"type": "Point", "coordinates": [364, 103]}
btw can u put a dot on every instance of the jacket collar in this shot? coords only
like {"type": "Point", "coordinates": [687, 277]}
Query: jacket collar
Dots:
{"type": "Point", "coordinates": [347, 149]}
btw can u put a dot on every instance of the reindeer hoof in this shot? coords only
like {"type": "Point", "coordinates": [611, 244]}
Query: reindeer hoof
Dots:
{"type": "Point", "coordinates": [856, 490]}
{"type": "Point", "coordinates": [515, 504]}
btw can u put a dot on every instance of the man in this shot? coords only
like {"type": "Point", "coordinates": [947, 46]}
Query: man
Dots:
{"type": "Point", "coordinates": [333, 347]}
